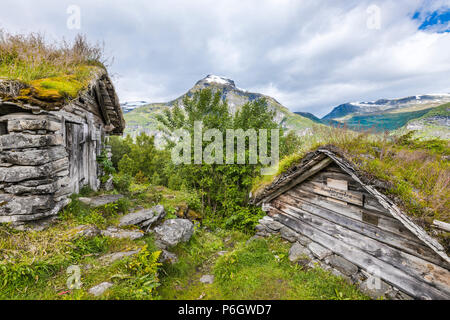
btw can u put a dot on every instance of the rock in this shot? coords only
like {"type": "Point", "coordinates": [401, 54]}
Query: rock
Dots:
{"type": "Point", "coordinates": [271, 225]}
{"type": "Point", "coordinates": [100, 200]}
{"type": "Point", "coordinates": [167, 256]}
{"type": "Point", "coordinates": [319, 251]}
{"type": "Point", "coordinates": [304, 241]}
{"type": "Point", "coordinates": [111, 257]}
{"type": "Point", "coordinates": [374, 287]}
{"type": "Point", "coordinates": [222, 253]}
{"type": "Point", "coordinates": [38, 225]}
{"type": "Point", "coordinates": [100, 288]}
{"type": "Point", "coordinates": [109, 185]}
{"type": "Point", "coordinates": [144, 217]}
{"type": "Point", "coordinates": [159, 214]}
{"type": "Point", "coordinates": [343, 265]}
{"type": "Point", "coordinates": [288, 234]}
{"type": "Point", "coordinates": [207, 278]}
{"type": "Point", "coordinates": [120, 233]}
{"type": "Point", "coordinates": [85, 231]}
{"type": "Point", "coordinates": [260, 228]}
{"type": "Point", "coordinates": [297, 252]}
{"type": "Point", "coordinates": [174, 231]}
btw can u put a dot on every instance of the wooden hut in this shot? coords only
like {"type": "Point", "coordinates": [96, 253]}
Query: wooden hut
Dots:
{"type": "Point", "coordinates": [352, 226]}
{"type": "Point", "coordinates": [49, 144]}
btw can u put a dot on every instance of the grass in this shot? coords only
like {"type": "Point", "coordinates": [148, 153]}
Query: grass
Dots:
{"type": "Point", "coordinates": [34, 264]}
{"type": "Point", "coordinates": [258, 269]}
{"type": "Point", "coordinates": [50, 71]}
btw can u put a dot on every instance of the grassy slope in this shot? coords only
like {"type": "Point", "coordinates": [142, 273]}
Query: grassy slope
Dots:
{"type": "Point", "coordinates": [427, 125]}
{"type": "Point", "coordinates": [386, 120]}
{"type": "Point", "coordinates": [34, 264]}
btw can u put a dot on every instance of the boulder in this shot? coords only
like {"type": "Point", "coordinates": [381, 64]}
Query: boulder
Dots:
{"type": "Point", "coordinates": [288, 234]}
{"type": "Point", "coordinates": [174, 231]}
{"type": "Point", "coordinates": [100, 288]}
{"type": "Point", "coordinates": [100, 200]}
{"type": "Point", "coordinates": [143, 218]}
{"type": "Point", "coordinates": [85, 231]}
{"type": "Point", "coordinates": [168, 257]}
{"type": "Point", "coordinates": [298, 252]}
{"type": "Point", "coordinates": [120, 233]}
{"type": "Point", "coordinates": [319, 251]}
{"type": "Point", "coordinates": [207, 278]}
{"type": "Point", "coordinates": [375, 287]}
{"type": "Point", "coordinates": [111, 257]}
{"type": "Point", "coordinates": [343, 265]}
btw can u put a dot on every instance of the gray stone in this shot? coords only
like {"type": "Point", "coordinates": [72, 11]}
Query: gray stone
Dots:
{"type": "Point", "coordinates": [112, 257]}
{"type": "Point", "coordinates": [343, 265]}
{"type": "Point", "coordinates": [374, 287]}
{"type": "Point", "coordinates": [222, 253]}
{"type": "Point", "coordinates": [297, 252]}
{"type": "Point", "coordinates": [120, 233]}
{"type": "Point", "coordinates": [319, 251]}
{"type": "Point", "coordinates": [168, 257]}
{"type": "Point", "coordinates": [144, 217]}
{"type": "Point", "coordinates": [207, 278]}
{"type": "Point", "coordinates": [174, 231]}
{"type": "Point", "coordinates": [86, 231]}
{"type": "Point", "coordinates": [288, 234]}
{"type": "Point", "coordinates": [100, 200]}
{"type": "Point", "coordinates": [100, 288]}
{"type": "Point", "coordinates": [273, 226]}
{"type": "Point", "coordinates": [38, 225]}
{"type": "Point", "coordinates": [303, 240]}
{"type": "Point", "coordinates": [260, 227]}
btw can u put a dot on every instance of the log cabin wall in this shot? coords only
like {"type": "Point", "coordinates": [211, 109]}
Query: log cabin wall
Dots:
{"type": "Point", "coordinates": [45, 156]}
{"type": "Point", "coordinates": [348, 231]}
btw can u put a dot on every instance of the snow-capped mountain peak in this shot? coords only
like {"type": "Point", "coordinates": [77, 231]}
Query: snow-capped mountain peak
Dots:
{"type": "Point", "coordinates": [210, 78]}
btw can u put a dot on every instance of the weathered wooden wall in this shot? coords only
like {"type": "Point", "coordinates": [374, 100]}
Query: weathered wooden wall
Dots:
{"type": "Point", "coordinates": [334, 211]}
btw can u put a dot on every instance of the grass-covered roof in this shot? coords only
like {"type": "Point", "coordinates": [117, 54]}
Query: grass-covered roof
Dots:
{"type": "Point", "coordinates": [33, 71]}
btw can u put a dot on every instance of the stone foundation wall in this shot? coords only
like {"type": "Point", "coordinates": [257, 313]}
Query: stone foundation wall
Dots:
{"type": "Point", "coordinates": [34, 167]}
{"type": "Point", "coordinates": [310, 254]}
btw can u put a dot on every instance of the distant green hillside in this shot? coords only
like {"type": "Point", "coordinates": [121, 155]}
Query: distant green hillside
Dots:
{"type": "Point", "coordinates": [384, 121]}
{"type": "Point", "coordinates": [433, 124]}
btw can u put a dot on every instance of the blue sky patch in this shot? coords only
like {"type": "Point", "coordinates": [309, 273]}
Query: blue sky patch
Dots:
{"type": "Point", "coordinates": [437, 21]}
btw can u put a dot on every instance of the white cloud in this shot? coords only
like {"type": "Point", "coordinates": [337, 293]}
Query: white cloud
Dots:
{"type": "Point", "coordinates": [309, 55]}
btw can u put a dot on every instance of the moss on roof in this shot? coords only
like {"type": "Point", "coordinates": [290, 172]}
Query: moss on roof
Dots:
{"type": "Point", "coordinates": [49, 74]}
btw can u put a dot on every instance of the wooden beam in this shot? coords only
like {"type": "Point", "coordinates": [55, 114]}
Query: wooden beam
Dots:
{"type": "Point", "coordinates": [313, 170]}
{"type": "Point", "coordinates": [362, 259]}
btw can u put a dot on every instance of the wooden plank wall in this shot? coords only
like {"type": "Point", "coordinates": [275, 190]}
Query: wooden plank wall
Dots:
{"type": "Point", "coordinates": [335, 211]}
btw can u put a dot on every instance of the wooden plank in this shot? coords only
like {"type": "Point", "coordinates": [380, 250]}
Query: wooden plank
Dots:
{"type": "Point", "coordinates": [337, 184]}
{"type": "Point", "coordinates": [415, 266]}
{"type": "Point", "coordinates": [313, 170]}
{"type": "Point", "coordinates": [441, 225]}
{"type": "Point", "coordinates": [394, 210]}
{"type": "Point", "coordinates": [388, 273]}
{"type": "Point", "coordinates": [347, 196]}
{"type": "Point", "coordinates": [314, 211]}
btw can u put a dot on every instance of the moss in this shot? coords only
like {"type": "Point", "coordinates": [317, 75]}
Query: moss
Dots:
{"type": "Point", "coordinates": [51, 93]}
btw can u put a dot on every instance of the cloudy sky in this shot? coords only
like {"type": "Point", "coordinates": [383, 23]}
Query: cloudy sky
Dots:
{"type": "Point", "coordinates": [309, 55]}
